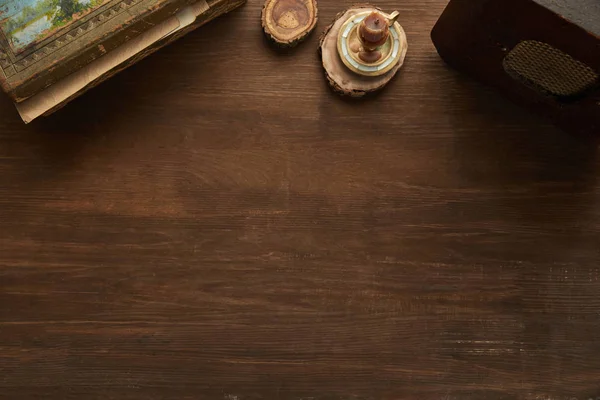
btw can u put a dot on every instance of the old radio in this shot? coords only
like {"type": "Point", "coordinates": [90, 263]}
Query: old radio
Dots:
{"type": "Point", "coordinates": [543, 54]}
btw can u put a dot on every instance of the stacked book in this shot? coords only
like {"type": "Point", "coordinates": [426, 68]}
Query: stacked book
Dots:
{"type": "Point", "coordinates": [52, 51]}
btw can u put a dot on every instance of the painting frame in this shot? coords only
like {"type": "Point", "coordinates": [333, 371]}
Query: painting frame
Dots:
{"type": "Point", "coordinates": [15, 56]}
{"type": "Point", "coordinates": [79, 43]}
{"type": "Point", "coordinates": [65, 23]}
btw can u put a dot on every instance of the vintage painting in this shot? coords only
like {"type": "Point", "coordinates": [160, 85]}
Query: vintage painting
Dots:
{"type": "Point", "coordinates": [26, 22]}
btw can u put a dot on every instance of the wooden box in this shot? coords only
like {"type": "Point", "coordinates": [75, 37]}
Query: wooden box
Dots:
{"type": "Point", "coordinates": [543, 54]}
{"type": "Point", "coordinates": [51, 51]}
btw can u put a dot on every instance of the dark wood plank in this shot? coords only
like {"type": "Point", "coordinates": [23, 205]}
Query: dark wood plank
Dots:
{"type": "Point", "coordinates": [205, 227]}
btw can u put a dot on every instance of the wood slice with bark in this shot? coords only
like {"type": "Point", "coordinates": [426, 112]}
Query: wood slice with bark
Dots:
{"type": "Point", "coordinates": [288, 22]}
{"type": "Point", "coordinates": [340, 78]}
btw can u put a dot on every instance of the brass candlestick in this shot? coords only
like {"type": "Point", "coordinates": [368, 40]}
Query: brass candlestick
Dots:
{"type": "Point", "coordinates": [373, 32]}
{"type": "Point", "coordinates": [371, 43]}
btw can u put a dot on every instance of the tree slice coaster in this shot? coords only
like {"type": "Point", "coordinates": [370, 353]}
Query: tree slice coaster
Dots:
{"type": "Point", "coordinates": [288, 22]}
{"type": "Point", "coordinates": [341, 78]}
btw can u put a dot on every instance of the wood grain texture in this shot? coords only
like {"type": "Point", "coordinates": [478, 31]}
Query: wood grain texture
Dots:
{"type": "Point", "coordinates": [199, 227]}
{"type": "Point", "coordinates": [289, 22]}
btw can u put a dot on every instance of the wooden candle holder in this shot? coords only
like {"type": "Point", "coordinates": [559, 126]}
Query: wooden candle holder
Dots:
{"type": "Point", "coordinates": [362, 50]}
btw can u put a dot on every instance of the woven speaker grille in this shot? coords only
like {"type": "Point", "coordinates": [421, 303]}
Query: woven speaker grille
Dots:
{"type": "Point", "coordinates": [549, 69]}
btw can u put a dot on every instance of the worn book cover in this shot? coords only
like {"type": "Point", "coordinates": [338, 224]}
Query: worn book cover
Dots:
{"type": "Point", "coordinates": [53, 50]}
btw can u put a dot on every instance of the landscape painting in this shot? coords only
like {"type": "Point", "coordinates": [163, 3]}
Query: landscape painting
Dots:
{"type": "Point", "coordinates": [26, 22]}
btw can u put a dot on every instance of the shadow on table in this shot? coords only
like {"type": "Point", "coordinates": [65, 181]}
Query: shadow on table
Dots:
{"type": "Point", "coordinates": [502, 141]}
{"type": "Point", "coordinates": [114, 109]}
{"type": "Point", "coordinates": [538, 176]}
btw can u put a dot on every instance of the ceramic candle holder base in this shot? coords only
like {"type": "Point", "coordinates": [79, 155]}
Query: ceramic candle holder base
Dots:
{"type": "Point", "coordinates": [343, 53]}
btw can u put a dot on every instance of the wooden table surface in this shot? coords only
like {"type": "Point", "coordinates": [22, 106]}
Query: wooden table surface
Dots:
{"type": "Point", "coordinates": [214, 223]}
